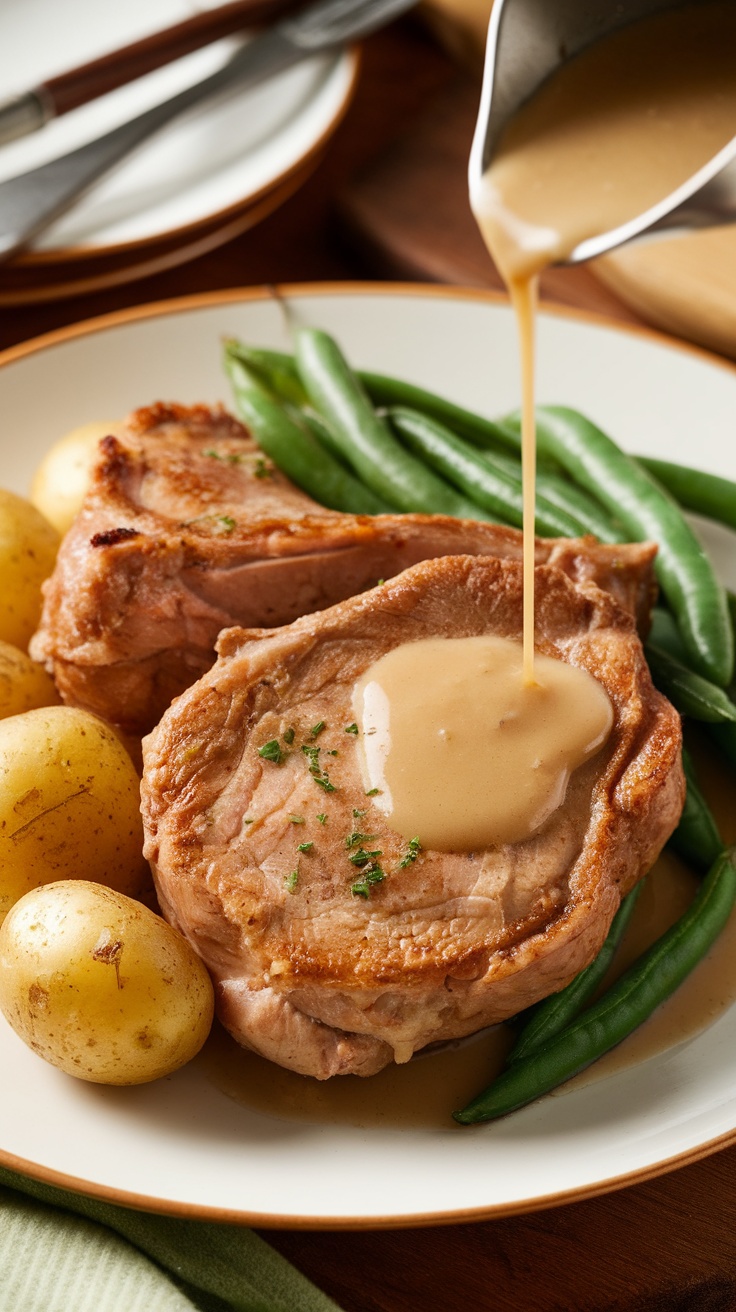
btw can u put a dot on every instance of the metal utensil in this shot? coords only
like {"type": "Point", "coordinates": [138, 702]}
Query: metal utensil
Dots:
{"type": "Point", "coordinates": [31, 201]}
{"type": "Point", "coordinates": [527, 41]}
{"type": "Point", "coordinates": [28, 111]}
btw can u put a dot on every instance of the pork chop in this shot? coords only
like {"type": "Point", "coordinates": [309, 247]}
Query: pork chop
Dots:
{"type": "Point", "coordinates": [252, 792]}
{"type": "Point", "coordinates": [187, 530]}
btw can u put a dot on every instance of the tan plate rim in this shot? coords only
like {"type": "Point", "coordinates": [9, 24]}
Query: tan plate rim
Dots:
{"type": "Point", "coordinates": [39, 261]}
{"type": "Point", "coordinates": [191, 1211]}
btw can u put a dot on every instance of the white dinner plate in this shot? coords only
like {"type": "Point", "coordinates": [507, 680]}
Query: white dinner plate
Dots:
{"type": "Point", "coordinates": [181, 1145]}
{"type": "Point", "coordinates": [216, 159]}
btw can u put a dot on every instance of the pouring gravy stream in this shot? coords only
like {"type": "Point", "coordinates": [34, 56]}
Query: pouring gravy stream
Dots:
{"type": "Point", "coordinates": [612, 132]}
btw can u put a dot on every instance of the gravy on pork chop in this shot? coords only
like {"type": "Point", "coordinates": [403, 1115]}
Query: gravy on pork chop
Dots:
{"type": "Point", "coordinates": [254, 808]}
{"type": "Point", "coordinates": [186, 530]}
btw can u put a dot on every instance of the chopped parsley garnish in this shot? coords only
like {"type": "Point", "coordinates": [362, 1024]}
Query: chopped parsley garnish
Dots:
{"type": "Point", "coordinates": [296, 819]}
{"type": "Point", "coordinates": [288, 735]}
{"type": "Point", "coordinates": [271, 751]}
{"type": "Point", "coordinates": [351, 728]}
{"type": "Point", "coordinates": [315, 769]}
{"type": "Point", "coordinates": [291, 880]}
{"type": "Point", "coordinates": [353, 839]}
{"type": "Point", "coordinates": [332, 752]}
{"type": "Point", "coordinates": [363, 858]}
{"type": "Point", "coordinates": [371, 875]}
{"type": "Point", "coordinates": [317, 729]}
{"type": "Point", "coordinates": [221, 524]}
{"type": "Point", "coordinates": [229, 457]}
{"type": "Point", "coordinates": [248, 820]}
{"type": "Point", "coordinates": [358, 814]}
{"type": "Point", "coordinates": [262, 469]}
{"type": "Point", "coordinates": [305, 847]}
{"type": "Point", "coordinates": [412, 853]}
{"type": "Point", "coordinates": [322, 818]}
{"type": "Point", "coordinates": [372, 792]}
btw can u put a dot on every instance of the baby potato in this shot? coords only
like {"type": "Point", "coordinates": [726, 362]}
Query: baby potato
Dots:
{"type": "Point", "coordinates": [100, 986]}
{"type": "Point", "coordinates": [69, 804]}
{"type": "Point", "coordinates": [62, 478]}
{"type": "Point", "coordinates": [28, 547]}
{"type": "Point", "coordinates": [24, 685]}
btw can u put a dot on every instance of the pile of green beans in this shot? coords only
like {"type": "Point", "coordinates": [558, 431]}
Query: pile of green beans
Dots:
{"type": "Point", "coordinates": [368, 444]}
{"type": "Point", "coordinates": [364, 442]}
{"type": "Point", "coordinates": [648, 512]}
{"type": "Point", "coordinates": [491, 487]}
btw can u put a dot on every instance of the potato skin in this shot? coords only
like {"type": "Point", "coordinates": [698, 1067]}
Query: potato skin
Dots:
{"type": "Point", "coordinates": [24, 684]}
{"type": "Point", "coordinates": [61, 480]}
{"type": "Point", "coordinates": [69, 804]}
{"type": "Point", "coordinates": [100, 986]}
{"type": "Point", "coordinates": [28, 547]}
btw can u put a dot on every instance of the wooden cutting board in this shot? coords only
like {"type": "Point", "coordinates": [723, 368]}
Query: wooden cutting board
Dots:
{"type": "Point", "coordinates": [408, 214]}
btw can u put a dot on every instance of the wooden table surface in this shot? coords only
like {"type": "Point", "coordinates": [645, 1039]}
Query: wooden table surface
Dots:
{"type": "Point", "coordinates": [388, 201]}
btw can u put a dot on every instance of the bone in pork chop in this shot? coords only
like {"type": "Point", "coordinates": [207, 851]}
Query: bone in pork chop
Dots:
{"type": "Point", "coordinates": [317, 977]}
{"type": "Point", "coordinates": [187, 530]}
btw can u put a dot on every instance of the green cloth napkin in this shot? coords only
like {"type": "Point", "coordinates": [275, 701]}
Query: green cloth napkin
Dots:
{"type": "Point", "coordinates": [63, 1252]}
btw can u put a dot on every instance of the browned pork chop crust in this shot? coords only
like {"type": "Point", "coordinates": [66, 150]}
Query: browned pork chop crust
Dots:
{"type": "Point", "coordinates": [318, 978]}
{"type": "Point", "coordinates": [187, 530]}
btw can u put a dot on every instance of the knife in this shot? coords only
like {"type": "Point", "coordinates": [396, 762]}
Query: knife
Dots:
{"type": "Point", "coordinates": [28, 111]}
{"type": "Point", "coordinates": [31, 201]}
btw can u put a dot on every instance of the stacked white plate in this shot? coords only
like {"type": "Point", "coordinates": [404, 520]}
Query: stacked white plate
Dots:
{"type": "Point", "coordinates": [210, 175]}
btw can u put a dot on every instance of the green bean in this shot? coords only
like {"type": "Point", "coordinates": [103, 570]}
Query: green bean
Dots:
{"type": "Point", "coordinates": [555, 1013]}
{"type": "Point", "coordinates": [293, 448]}
{"type": "Point", "coordinates": [377, 457]}
{"type": "Point", "coordinates": [705, 494]}
{"type": "Point", "coordinates": [647, 511]}
{"type": "Point", "coordinates": [385, 391]}
{"type": "Point", "coordinates": [689, 692]}
{"type": "Point", "coordinates": [462, 465]}
{"type": "Point", "coordinates": [664, 633]}
{"type": "Point", "coordinates": [323, 434]}
{"type": "Point", "coordinates": [724, 735]}
{"type": "Point", "coordinates": [276, 370]}
{"type": "Point", "coordinates": [696, 838]}
{"type": "Point", "coordinates": [652, 978]}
